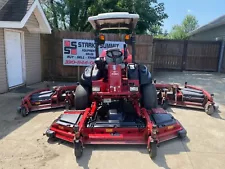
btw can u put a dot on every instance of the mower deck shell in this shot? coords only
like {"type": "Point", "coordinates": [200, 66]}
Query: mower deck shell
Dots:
{"type": "Point", "coordinates": [168, 128]}
{"type": "Point", "coordinates": [44, 99]}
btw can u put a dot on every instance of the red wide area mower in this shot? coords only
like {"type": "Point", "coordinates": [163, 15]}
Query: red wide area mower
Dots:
{"type": "Point", "coordinates": [43, 99]}
{"type": "Point", "coordinates": [187, 96]}
{"type": "Point", "coordinates": [116, 101]}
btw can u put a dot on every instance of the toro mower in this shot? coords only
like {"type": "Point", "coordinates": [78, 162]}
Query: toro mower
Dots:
{"type": "Point", "coordinates": [116, 101]}
{"type": "Point", "coordinates": [187, 96]}
{"type": "Point", "coordinates": [42, 99]}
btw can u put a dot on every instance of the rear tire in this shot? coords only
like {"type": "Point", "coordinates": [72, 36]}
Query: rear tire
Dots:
{"type": "Point", "coordinates": [81, 98]}
{"type": "Point", "coordinates": [149, 96]}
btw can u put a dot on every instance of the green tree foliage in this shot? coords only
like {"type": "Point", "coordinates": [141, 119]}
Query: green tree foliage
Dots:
{"type": "Point", "coordinates": [189, 24]}
{"type": "Point", "coordinates": [181, 31]}
{"type": "Point", "coordinates": [73, 14]}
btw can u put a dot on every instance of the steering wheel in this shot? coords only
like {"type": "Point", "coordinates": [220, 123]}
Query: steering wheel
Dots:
{"type": "Point", "coordinates": [114, 54]}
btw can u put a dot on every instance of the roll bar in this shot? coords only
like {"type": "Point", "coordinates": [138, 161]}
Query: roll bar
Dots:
{"type": "Point", "coordinates": [115, 20]}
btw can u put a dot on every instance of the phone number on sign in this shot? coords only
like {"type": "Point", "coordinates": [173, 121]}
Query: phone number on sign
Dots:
{"type": "Point", "coordinates": [79, 62]}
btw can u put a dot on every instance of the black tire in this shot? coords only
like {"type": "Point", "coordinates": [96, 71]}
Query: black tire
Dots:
{"type": "Point", "coordinates": [78, 149]}
{"type": "Point", "coordinates": [85, 81]}
{"type": "Point", "coordinates": [81, 98]}
{"type": "Point", "coordinates": [153, 150]}
{"type": "Point", "coordinates": [86, 76]}
{"type": "Point", "coordinates": [149, 96]}
{"type": "Point", "coordinates": [209, 109]}
{"type": "Point", "coordinates": [182, 134]}
{"type": "Point", "coordinates": [24, 112]}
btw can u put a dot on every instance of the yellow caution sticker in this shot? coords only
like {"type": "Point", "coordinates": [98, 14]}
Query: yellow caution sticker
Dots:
{"type": "Point", "coordinates": [170, 127]}
{"type": "Point", "coordinates": [108, 130]}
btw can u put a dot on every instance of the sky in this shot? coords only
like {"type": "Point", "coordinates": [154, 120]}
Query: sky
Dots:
{"type": "Point", "coordinates": [204, 10]}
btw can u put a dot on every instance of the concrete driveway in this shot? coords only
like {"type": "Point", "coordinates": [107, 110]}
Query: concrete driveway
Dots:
{"type": "Point", "coordinates": [22, 144]}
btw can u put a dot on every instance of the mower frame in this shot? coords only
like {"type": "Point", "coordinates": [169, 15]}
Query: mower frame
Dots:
{"type": "Point", "coordinates": [208, 104]}
{"type": "Point", "coordinates": [73, 125]}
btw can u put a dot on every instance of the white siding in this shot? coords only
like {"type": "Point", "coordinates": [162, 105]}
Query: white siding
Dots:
{"type": "Point", "coordinates": [33, 57]}
{"type": "Point", "coordinates": [3, 80]}
{"type": "Point", "coordinates": [32, 22]}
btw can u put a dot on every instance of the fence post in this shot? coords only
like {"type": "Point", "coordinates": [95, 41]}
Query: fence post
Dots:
{"type": "Point", "coordinates": [221, 56]}
{"type": "Point", "coordinates": [78, 73]}
{"type": "Point", "coordinates": [184, 55]}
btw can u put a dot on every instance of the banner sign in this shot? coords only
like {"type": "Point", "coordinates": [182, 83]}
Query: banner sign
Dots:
{"type": "Point", "coordinates": [80, 52]}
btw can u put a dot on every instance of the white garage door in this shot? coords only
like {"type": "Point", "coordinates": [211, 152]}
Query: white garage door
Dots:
{"type": "Point", "coordinates": [13, 58]}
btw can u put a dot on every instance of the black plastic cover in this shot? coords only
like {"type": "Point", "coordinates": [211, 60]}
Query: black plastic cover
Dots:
{"type": "Point", "coordinates": [144, 75]}
{"type": "Point", "coordinates": [69, 119]}
{"type": "Point", "coordinates": [114, 115]}
{"type": "Point", "coordinates": [163, 119]}
{"type": "Point", "coordinates": [112, 123]}
{"type": "Point", "coordinates": [132, 72]}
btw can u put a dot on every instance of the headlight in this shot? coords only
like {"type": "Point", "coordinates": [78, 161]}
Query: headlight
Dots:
{"type": "Point", "coordinates": [95, 89]}
{"type": "Point", "coordinates": [134, 89]}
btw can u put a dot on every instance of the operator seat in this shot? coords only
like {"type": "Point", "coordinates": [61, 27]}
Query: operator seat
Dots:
{"type": "Point", "coordinates": [119, 60]}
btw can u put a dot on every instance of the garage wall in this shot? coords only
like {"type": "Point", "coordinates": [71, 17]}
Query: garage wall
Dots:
{"type": "Point", "coordinates": [3, 80]}
{"type": "Point", "coordinates": [210, 35]}
{"type": "Point", "coordinates": [2, 3]}
{"type": "Point", "coordinates": [33, 57]}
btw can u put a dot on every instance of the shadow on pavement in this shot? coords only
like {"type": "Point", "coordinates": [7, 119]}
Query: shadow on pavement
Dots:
{"type": "Point", "coordinates": [217, 115]}
{"type": "Point", "coordinates": [169, 148]}
{"type": "Point", "coordinates": [10, 120]}
{"type": "Point", "coordinates": [163, 149]}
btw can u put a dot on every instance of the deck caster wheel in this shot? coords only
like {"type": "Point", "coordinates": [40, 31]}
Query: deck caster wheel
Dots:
{"type": "Point", "coordinates": [24, 112]}
{"type": "Point", "coordinates": [165, 104]}
{"type": "Point", "coordinates": [182, 134]}
{"type": "Point", "coordinates": [152, 150]}
{"type": "Point", "coordinates": [78, 149]}
{"type": "Point", "coordinates": [209, 109]}
{"type": "Point", "coordinates": [67, 105]}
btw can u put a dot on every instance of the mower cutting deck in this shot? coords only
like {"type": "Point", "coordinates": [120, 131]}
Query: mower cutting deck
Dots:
{"type": "Point", "coordinates": [116, 102]}
{"type": "Point", "coordinates": [43, 99]}
{"type": "Point", "coordinates": [113, 127]}
{"type": "Point", "coordinates": [187, 96]}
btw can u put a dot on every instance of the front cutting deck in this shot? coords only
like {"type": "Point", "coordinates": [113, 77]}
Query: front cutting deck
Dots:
{"type": "Point", "coordinates": [115, 132]}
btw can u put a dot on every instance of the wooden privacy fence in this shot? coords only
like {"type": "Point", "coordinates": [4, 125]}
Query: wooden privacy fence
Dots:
{"type": "Point", "coordinates": [223, 62]}
{"type": "Point", "coordinates": [52, 53]}
{"type": "Point", "coordinates": [186, 55]}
